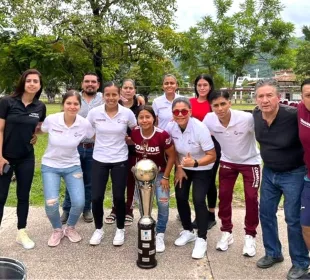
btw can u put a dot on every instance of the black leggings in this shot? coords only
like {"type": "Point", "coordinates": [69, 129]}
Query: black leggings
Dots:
{"type": "Point", "coordinates": [24, 171]}
{"type": "Point", "coordinates": [201, 182]}
{"type": "Point", "coordinates": [212, 192]}
{"type": "Point", "coordinates": [100, 176]}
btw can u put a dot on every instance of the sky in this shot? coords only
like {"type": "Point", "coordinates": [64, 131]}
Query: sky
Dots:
{"type": "Point", "coordinates": [191, 11]}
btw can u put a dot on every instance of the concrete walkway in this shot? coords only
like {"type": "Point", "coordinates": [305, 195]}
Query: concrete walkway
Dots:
{"type": "Point", "coordinates": [82, 261]}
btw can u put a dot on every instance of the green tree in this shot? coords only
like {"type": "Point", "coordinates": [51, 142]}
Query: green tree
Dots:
{"type": "Point", "coordinates": [112, 32]}
{"type": "Point", "coordinates": [302, 67]}
{"type": "Point", "coordinates": [256, 30]}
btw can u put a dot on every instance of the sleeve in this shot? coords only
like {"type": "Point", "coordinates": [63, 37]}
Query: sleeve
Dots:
{"type": "Point", "coordinates": [207, 122]}
{"type": "Point", "coordinates": [205, 139]}
{"type": "Point", "coordinates": [154, 106]}
{"type": "Point", "coordinates": [251, 122]}
{"type": "Point", "coordinates": [4, 108]}
{"type": "Point", "coordinates": [90, 132]}
{"type": "Point", "coordinates": [46, 124]}
{"type": "Point", "coordinates": [43, 116]}
{"type": "Point", "coordinates": [167, 140]}
{"type": "Point", "coordinates": [132, 122]}
{"type": "Point", "coordinates": [90, 117]}
{"type": "Point", "coordinates": [168, 128]}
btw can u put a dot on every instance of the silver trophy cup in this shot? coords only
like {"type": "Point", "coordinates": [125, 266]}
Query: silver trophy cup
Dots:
{"type": "Point", "coordinates": [145, 172]}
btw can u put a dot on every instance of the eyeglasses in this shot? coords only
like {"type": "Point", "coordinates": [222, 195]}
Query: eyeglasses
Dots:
{"type": "Point", "coordinates": [177, 112]}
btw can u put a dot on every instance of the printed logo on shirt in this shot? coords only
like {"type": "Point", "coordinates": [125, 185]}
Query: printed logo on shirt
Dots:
{"type": "Point", "coordinates": [219, 132]}
{"type": "Point", "coordinates": [190, 142]}
{"type": "Point", "coordinates": [76, 134]}
{"type": "Point", "coordinates": [175, 137]}
{"type": "Point", "coordinates": [304, 123]}
{"type": "Point", "coordinates": [168, 141]}
{"type": "Point", "coordinates": [150, 150]}
{"type": "Point", "coordinates": [100, 120]}
{"type": "Point", "coordinates": [57, 131]}
{"type": "Point", "coordinates": [34, 115]}
{"type": "Point", "coordinates": [165, 107]}
{"type": "Point", "coordinates": [238, 133]}
{"type": "Point", "coordinates": [122, 121]}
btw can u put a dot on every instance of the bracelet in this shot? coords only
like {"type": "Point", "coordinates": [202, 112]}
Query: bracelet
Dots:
{"type": "Point", "coordinates": [166, 178]}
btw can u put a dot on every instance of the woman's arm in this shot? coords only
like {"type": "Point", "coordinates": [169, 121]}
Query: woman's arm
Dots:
{"type": "Point", "coordinates": [3, 161]}
{"type": "Point", "coordinates": [170, 162]}
{"type": "Point", "coordinates": [209, 157]}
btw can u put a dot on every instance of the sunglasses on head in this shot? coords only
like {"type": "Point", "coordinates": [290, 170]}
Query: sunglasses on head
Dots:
{"type": "Point", "coordinates": [177, 112]}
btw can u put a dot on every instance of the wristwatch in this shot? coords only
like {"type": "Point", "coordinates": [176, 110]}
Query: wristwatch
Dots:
{"type": "Point", "coordinates": [196, 163]}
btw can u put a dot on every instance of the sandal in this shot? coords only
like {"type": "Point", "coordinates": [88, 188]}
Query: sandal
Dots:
{"type": "Point", "coordinates": [128, 220]}
{"type": "Point", "coordinates": [110, 219]}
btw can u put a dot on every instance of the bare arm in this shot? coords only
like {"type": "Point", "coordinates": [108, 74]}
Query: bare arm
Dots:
{"type": "Point", "coordinates": [171, 159]}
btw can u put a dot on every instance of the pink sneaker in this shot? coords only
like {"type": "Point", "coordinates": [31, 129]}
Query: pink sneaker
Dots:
{"type": "Point", "coordinates": [56, 237]}
{"type": "Point", "coordinates": [72, 234]}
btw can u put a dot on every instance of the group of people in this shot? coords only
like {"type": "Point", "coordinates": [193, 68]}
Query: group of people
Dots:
{"type": "Point", "coordinates": [98, 135]}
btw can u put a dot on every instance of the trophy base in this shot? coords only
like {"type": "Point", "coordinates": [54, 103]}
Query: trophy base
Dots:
{"type": "Point", "coordinates": [147, 265]}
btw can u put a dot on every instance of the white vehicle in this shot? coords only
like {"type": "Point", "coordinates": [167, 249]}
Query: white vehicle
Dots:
{"type": "Point", "coordinates": [247, 78]}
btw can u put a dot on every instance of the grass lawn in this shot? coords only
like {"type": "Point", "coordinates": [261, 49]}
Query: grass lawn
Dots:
{"type": "Point", "coordinates": [36, 197]}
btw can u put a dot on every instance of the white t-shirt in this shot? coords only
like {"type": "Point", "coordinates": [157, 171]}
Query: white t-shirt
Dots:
{"type": "Point", "coordinates": [196, 140]}
{"type": "Point", "coordinates": [110, 145]}
{"type": "Point", "coordinates": [237, 140]}
{"type": "Point", "coordinates": [163, 110]}
{"type": "Point", "coordinates": [61, 151]}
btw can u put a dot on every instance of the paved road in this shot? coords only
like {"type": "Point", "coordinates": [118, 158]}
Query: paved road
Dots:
{"type": "Point", "coordinates": [82, 261]}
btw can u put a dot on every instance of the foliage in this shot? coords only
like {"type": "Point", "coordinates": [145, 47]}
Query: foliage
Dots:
{"type": "Point", "coordinates": [302, 67]}
{"type": "Point", "coordinates": [235, 40]}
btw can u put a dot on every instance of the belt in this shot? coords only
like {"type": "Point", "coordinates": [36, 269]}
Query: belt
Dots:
{"type": "Point", "coordinates": [87, 145]}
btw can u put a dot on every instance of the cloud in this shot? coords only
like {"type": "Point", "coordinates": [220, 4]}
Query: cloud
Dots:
{"type": "Point", "coordinates": [191, 11]}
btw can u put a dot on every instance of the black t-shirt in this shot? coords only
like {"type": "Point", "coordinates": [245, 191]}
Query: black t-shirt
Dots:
{"type": "Point", "coordinates": [20, 124]}
{"type": "Point", "coordinates": [280, 146]}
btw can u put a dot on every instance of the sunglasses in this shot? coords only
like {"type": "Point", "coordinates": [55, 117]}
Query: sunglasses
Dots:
{"type": "Point", "coordinates": [177, 112]}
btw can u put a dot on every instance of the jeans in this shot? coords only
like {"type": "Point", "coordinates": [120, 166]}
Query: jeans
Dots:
{"type": "Point", "coordinates": [73, 178]}
{"type": "Point", "coordinates": [100, 176]}
{"type": "Point", "coordinates": [86, 158]}
{"type": "Point", "coordinates": [162, 199]}
{"type": "Point", "coordinates": [201, 182]}
{"type": "Point", "coordinates": [24, 170]}
{"type": "Point", "coordinates": [290, 184]}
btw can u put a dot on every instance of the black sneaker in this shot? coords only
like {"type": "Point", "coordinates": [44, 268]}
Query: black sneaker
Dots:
{"type": "Point", "coordinates": [194, 224]}
{"type": "Point", "coordinates": [268, 261]}
{"type": "Point", "coordinates": [88, 216]}
{"type": "Point", "coordinates": [211, 224]}
{"type": "Point", "coordinates": [64, 217]}
{"type": "Point", "coordinates": [297, 273]}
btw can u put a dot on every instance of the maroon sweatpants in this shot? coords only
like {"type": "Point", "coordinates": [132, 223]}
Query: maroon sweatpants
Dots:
{"type": "Point", "coordinates": [251, 180]}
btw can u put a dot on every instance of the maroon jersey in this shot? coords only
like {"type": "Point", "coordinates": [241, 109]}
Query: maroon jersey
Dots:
{"type": "Point", "coordinates": [304, 132]}
{"type": "Point", "coordinates": [153, 147]}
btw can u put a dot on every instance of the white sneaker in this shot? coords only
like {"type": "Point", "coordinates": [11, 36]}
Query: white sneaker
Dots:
{"type": "Point", "coordinates": [249, 248]}
{"type": "Point", "coordinates": [119, 237]}
{"type": "Point", "coordinates": [200, 248]}
{"type": "Point", "coordinates": [185, 237]}
{"type": "Point", "coordinates": [96, 237]}
{"type": "Point", "coordinates": [160, 243]}
{"type": "Point", "coordinates": [24, 240]}
{"type": "Point", "coordinates": [226, 240]}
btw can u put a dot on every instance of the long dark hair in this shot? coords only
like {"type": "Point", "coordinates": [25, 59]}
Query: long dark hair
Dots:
{"type": "Point", "coordinates": [206, 77]}
{"type": "Point", "coordinates": [20, 89]}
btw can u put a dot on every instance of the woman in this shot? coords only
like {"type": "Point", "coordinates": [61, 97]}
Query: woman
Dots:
{"type": "Point", "coordinates": [130, 101]}
{"type": "Point", "coordinates": [62, 160]}
{"type": "Point", "coordinates": [204, 86]}
{"type": "Point", "coordinates": [234, 130]}
{"type": "Point", "coordinates": [110, 121]}
{"type": "Point", "coordinates": [154, 143]}
{"type": "Point", "coordinates": [195, 157]}
{"type": "Point", "coordinates": [162, 104]}
{"type": "Point", "coordinates": [20, 114]}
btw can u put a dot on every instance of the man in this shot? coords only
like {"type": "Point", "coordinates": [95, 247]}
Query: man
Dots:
{"type": "Point", "coordinates": [276, 130]}
{"type": "Point", "coordinates": [234, 130]}
{"type": "Point", "coordinates": [90, 99]}
{"type": "Point", "coordinates": [304, 136]}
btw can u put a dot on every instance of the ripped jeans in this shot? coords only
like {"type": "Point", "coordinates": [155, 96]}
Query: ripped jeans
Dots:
{"type": "Point", "coordinates": [73, 177]}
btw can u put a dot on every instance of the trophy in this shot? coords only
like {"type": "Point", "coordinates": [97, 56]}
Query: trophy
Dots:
{"type": "Point", "coordinates": [145, 172]}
